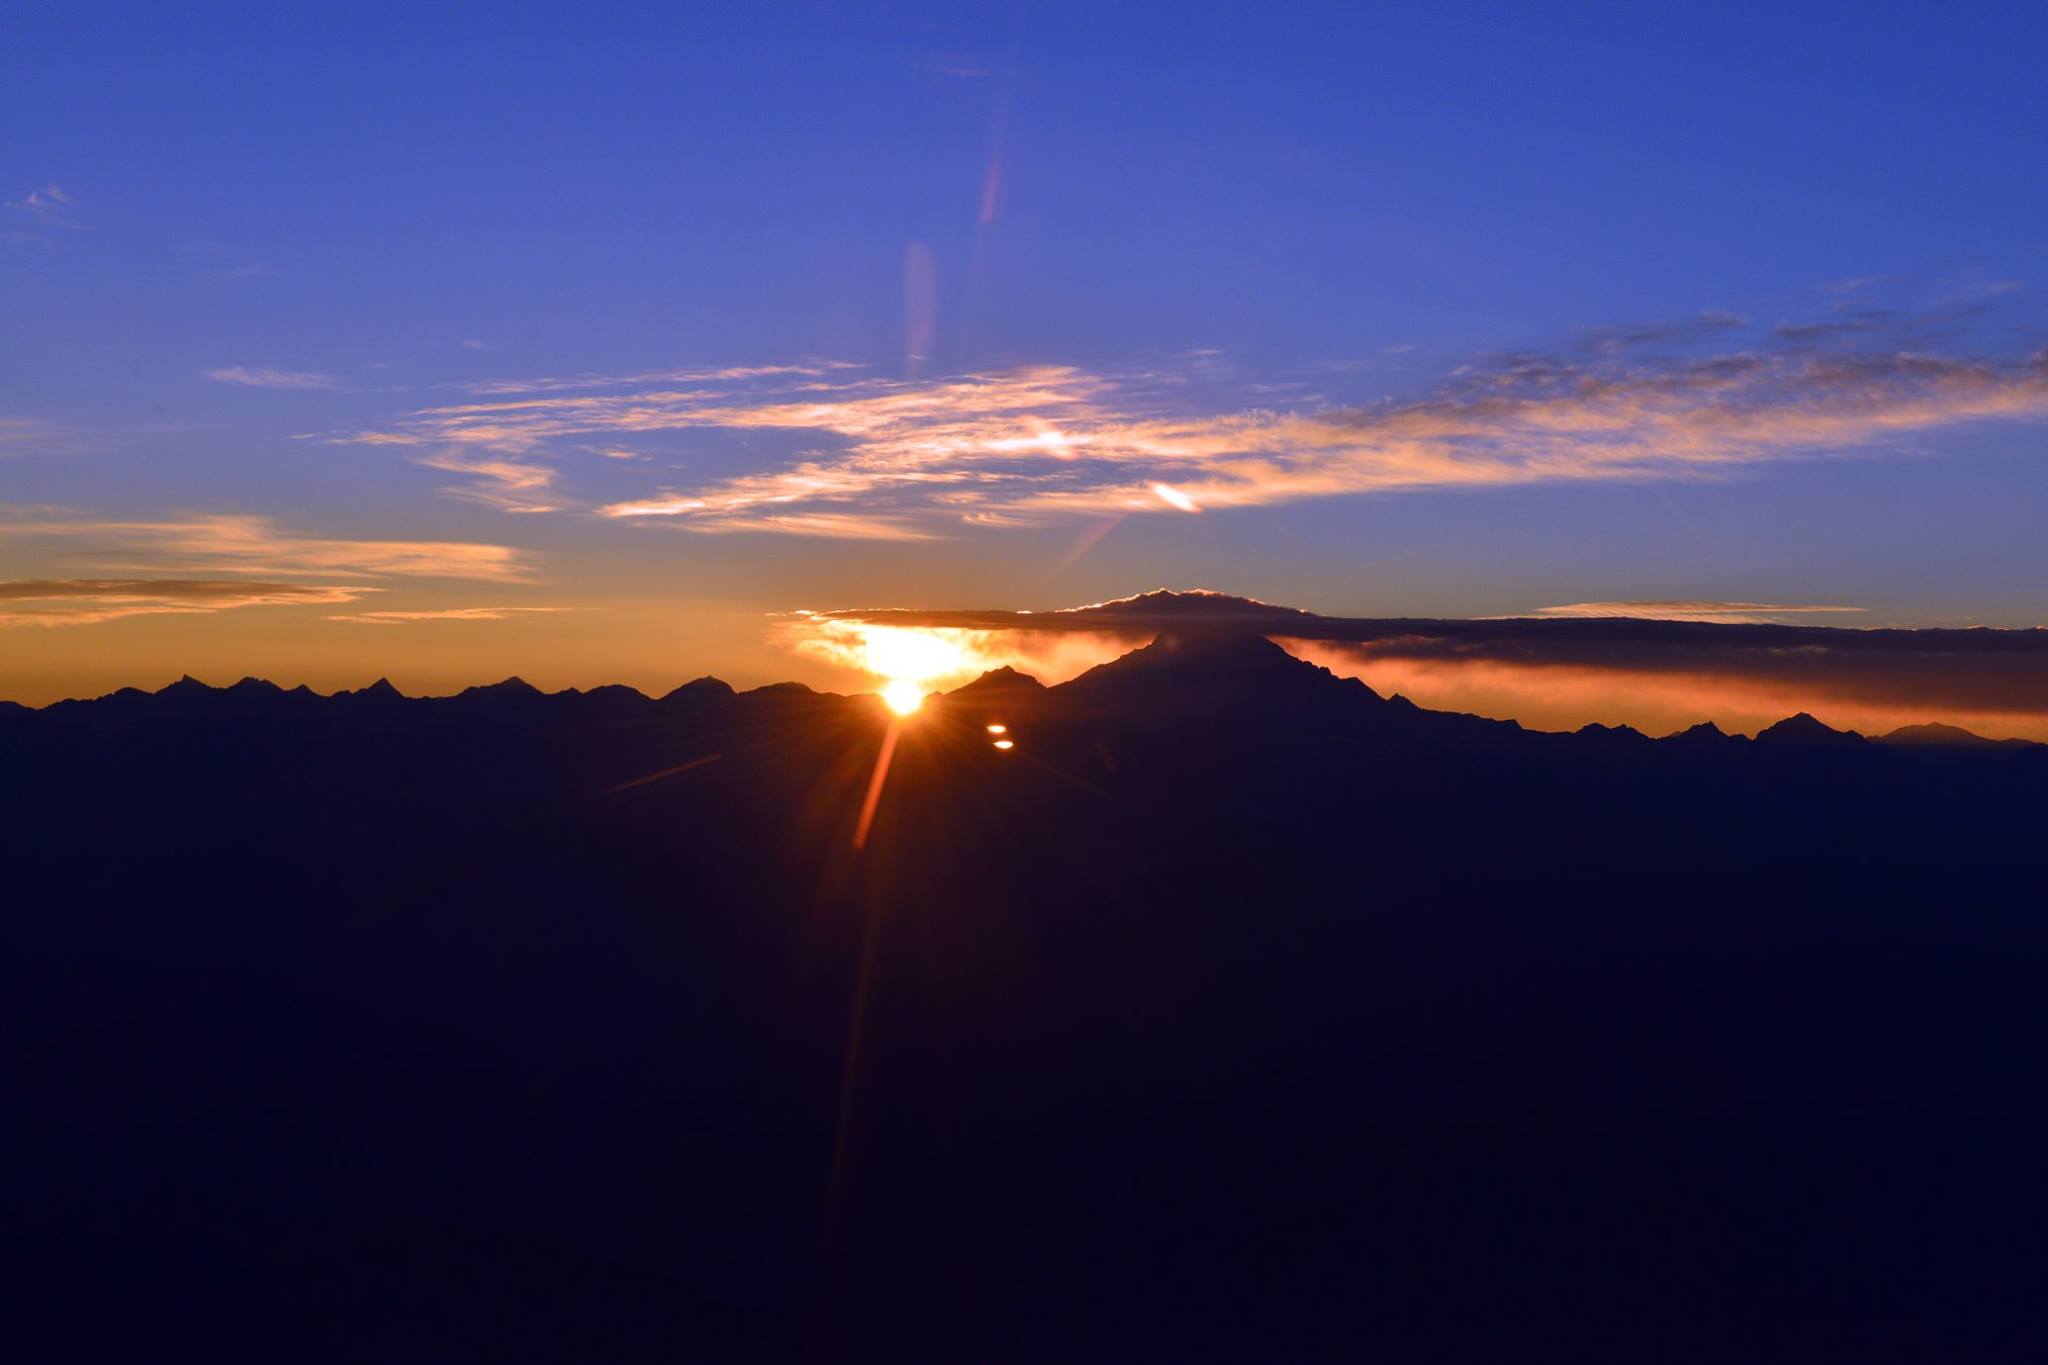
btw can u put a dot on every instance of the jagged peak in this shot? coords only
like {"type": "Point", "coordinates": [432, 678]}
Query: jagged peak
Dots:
{"type": "Point", "coordinates": [510, 688]}
{"type": "Point", "coordinates": [1212, 667]}
{"type": "Point", "coordinates": [1001, 679]}
{"type": "Point", "coordinates": [1207, 648]}
{"type": "Point", "coordinates": [1706, 732]}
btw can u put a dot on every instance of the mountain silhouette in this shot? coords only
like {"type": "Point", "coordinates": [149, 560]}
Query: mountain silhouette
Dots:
{"type": "Point", "coordinates": [1924, 670]}
{"type": "Point", "coordinates": [1934, 734]}
{"type": "Point", "coordinates": [1803, 731]}
{"type": "Point", "coordinates": [378, 691]}
{"type": "Point", "coordinates": [1213, 670]}
{"type": "Point", "coordinates": [999, 682]}
{"type": "Point", "coordinates": [1234, 1012]}
{"type": "Point", "coordinates": [511, 690]}
{"type": "Point", "coordinates": [701, 689]}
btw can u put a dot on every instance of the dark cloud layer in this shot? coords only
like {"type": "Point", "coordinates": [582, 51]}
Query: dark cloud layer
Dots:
{"type": "Point", "coordinates": [1970, 673]}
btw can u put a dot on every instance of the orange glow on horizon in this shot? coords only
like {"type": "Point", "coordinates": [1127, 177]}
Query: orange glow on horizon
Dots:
{"type": "Point", "coordinates": [1560, 697]}
{"type": "Point", "coordinates": [926, 659]}
{"type": "Point", "coordinates": [902, 696]}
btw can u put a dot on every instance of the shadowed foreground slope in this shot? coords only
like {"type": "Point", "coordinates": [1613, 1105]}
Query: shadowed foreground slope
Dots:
{"type": "Point", "coordinates": [1235, 1013]}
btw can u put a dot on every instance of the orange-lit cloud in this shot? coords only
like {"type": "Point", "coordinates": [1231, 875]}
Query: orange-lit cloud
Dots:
{"type": "Point", "coordinates": [1567, 696]}
{"type": "Point", "coordinates": [242, 543]}
{"type": "Point", "coordinates": [89, 601]}
{"type": "Point", "coordinates": [1032, 444]}
{"type": "Point", "coordinates": [1725, 613]}
{"type": "Point", "coordinates": [509, 485]}
{"type": "Point", "coordinates": [403, 618]}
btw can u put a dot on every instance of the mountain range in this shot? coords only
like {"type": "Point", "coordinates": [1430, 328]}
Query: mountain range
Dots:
{"type": "Point", "coordinates": [1219, 667]}
{"type": "Point", "coordinates": [1232, 1012]}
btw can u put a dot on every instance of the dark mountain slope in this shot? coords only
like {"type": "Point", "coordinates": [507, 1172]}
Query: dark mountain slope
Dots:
{"type": "Point", "coordinates": [1234, 1013]}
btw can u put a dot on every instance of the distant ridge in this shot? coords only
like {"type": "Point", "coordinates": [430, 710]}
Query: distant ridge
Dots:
{"type": "Point", "coordinates": [1620, 734]}
{"type": "Point", "coordinates": [1925, 670]}
{"type": "Point", "coordinates": [1213, 671]}
{"type": "Point", "coordinates": [512, 691]}
{"type": "Point", "coordinates": [380, 690]}
{"type": "Point", "coordinates": [1803, 731]}
{"type": "Point", "coordinates": [1003, 683]}
{"type": "Point", "coordinates": [1934, 735]}
{"type": "Point", "coordinates": [1706, 735]}
{"type": "Point", "coordinates": [1216, 664]}
{"type": "Point", "coordinates": [700, 689]}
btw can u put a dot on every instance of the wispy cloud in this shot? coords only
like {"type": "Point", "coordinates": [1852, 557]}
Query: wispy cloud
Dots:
{"type": "Point", "coordinates": [721, 375]}
{"type": "Point", "coordinates": [265, 377]}
{"type": "Point", "coordinates": [47, 199]}
{"type": "Point", "coordinates": [1037, 444]}
{"type": "Point", "coordinates": [403, 618]}
{"type": "Point", "coordinates": [1726, 613]}
{"type": "Point", "coordinates": [24, 435]}
{"type": "Point", "coordinates": [89, 601]}
{"type": "Point", "coordinates": [1698, 327]}
{"type": "Point", "coordinates": [506, 484]}
{"type": "Point", "coordinates": [39, 215]}
{"type": "Point", "coordinates": [47, 203]}
{"type": "Point", "coordinates": [833, 525]}
{"type": "Point", "coordinates": [1835, 328]}
{"type": "Point", "coordinates": [962, 68]}
{"type": "Point", "coordinates": [251, 544]}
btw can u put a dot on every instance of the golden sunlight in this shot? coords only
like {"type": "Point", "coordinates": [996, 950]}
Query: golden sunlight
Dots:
{"type": "Point", "coordinates": [902, 696]}
{"type": "Point", "coordinates": [926, 659]}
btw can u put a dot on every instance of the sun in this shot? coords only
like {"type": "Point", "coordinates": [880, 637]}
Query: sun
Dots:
{"type": "Point", "coordinates": [902, 696]}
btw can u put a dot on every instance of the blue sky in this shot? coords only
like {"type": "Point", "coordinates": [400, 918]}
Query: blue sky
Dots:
{"type": "Point", "coordinates": [1427, 309]}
